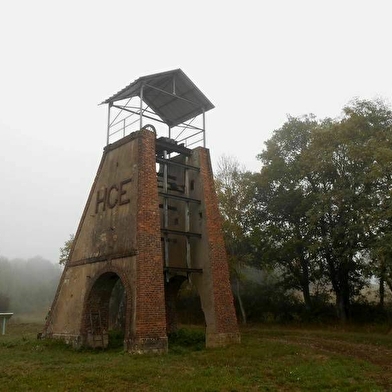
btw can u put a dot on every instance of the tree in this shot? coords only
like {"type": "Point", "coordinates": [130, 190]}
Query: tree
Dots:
{"type": "Point", "coordinates": [345, 174]}
{"type": "Point", "coordinates": [284, 233]}
{"type": "Point", "coordinates": [325, 198]}
{"type": "Point", "coordinates": [66, 250]}
{"type": "Point", "coordinates": [235, 190]}
{"type": "Point", "coordinates": [380, 174]}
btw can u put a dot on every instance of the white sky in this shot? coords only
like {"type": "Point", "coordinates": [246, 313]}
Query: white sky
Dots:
{"type": "Point", "coordinates": [257, 61]}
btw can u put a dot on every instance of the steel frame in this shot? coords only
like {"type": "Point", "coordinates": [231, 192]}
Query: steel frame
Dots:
{"type": "Point", "coordinates": [129, 115]}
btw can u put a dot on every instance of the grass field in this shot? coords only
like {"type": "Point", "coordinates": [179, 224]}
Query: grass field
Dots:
{"type": "Point", "coordinates": [270, 358]}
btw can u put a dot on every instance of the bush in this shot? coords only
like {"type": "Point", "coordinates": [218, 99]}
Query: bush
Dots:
{"type": "Point", "coordinates": [116, 339]}
{"type": "Point", "coordinates": [188, 306]}
{"type": "Point", "coordinates": [363, 311]}
{"type": "Point", "coordinates": [269, 302]}
{"type": "Point", "coordinates": [187, 338]}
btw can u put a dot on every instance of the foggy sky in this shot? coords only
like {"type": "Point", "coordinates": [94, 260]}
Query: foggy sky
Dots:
{"type": "Point", "coordinates": [256, 61]}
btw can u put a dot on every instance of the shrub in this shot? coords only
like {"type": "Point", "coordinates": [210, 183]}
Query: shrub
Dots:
{"type": "Point", "coordinates": [187, 338]}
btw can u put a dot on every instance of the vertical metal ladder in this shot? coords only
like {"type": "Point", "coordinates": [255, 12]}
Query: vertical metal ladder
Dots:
{"type": "Point", "coordinates": [96, 329]}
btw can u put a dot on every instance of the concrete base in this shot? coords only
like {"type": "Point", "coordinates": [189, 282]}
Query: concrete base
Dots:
{"type": "Point", "coordinates": [73, 340]}
{"type": "Point", "coordinates": [97, 340]}
{"type": "Point", "coordinates": [147, 345]}
{"type": "Point", "coordinates": [222, 339]}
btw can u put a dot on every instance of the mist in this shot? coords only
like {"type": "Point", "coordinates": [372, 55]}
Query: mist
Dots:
{"type": "Point", "coordinates": [27, 286]}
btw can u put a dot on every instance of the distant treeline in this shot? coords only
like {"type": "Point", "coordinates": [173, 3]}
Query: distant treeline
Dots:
{"type": "Point", "coordinates": [27, 286]}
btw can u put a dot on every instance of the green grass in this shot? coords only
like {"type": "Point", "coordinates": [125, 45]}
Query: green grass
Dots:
{"type": "Point", "coordinates": [268, 359]}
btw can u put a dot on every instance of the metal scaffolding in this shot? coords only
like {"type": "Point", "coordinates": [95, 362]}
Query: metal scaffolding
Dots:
{"type": "Point", "coordinates": [168, 100]}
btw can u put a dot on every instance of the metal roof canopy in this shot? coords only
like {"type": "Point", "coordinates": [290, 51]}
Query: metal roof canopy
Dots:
{"type": "Point", "coordinates": [167, 97]}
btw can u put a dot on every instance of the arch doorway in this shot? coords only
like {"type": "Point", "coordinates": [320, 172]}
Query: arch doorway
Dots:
{"type": "Point", "coordinates": [183, 305]}
{"type": "Point", "coordinates": [104, 319]}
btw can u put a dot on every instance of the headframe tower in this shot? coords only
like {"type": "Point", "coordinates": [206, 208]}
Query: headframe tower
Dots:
{"type": "Point", "coordinates": [151, 222]}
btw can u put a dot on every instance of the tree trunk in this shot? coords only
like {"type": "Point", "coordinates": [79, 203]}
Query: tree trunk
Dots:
{"type": "Point", "coordinates": [240, 303]}
{"type": "Point", "coordinates": [381, 292]}
{"type": "Point", "coordinates": [307, 297]}
{"type": "Point", "coordinates": [335, 279]}
{"type": "Point", "coordinates": [304, 277]}
{"type": "Point", "coordinates": [343, 296]}
{"type": "Point", "coordinates": [305, 283]}
{"type": "Point", "coordinates": [341, 308]}
{"type": "Point", "coordinates": [338, 275]}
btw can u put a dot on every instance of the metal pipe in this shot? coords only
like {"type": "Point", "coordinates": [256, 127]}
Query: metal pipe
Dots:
{"type": "Point", "coordinates": [126, 118]}
{"type": "Point", "coordinates": [141, 106]}
{"type": "Point", "coordinates": [136, 108]}
{"type": "Point", "coordinates": [119, 107]}
{"type": "Point", "coordinates": [108, 128]}
{"type": "Point", "coordinates": [185, 127]}
{"type": "Point", "coordinates": [193, 143]}
{"type": "Point", "coordinates": [165, 188]}
{"type": "Point", "coordinates": [204, 128]}
{"type": "Point", "coordinates": [118, 114]}
{"type": "Point", "coordinates": [188, 137]}
{"type": "Point", "coordinates": [130, 111]}
{"type": "Point", "coordinates": [166, 245]}
{"type": "Point", "coordinates": [120, 121]}
{"type": "Point", "coordinates": [165, 210]}
{"type": "Point", "coordinates": [187, 215]}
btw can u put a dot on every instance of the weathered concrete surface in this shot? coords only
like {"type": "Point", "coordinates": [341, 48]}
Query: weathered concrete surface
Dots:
{"type": "Point", "coordinates": [119, 237]}
{"type": "Point", "coordinates": [210, 255]}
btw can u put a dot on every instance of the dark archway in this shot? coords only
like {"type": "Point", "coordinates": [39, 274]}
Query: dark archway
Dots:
{"type": "Point", "coordinates": [105, 310]}
{"type": "Point", "coordinates": [183, 304]}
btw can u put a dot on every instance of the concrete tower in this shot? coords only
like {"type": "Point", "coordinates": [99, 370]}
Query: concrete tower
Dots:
{"type": "Point", "coordinates": [151, 222]}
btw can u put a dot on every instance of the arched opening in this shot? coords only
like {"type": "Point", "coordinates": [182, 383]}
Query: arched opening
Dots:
{"type": "Point", "coordinates": [117, 308]}
{"type": "Point", "coordinates": [185, 321]}
{"type": "Point", "coordinates": [183, 305]}
{"type": "Point", "coordinates": [105, 312]}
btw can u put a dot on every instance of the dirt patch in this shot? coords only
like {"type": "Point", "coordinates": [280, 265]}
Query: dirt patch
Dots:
{"type": "Point", "coordinates": [376, 355]}
{"type": "Point", "coordinates": [379, 356]}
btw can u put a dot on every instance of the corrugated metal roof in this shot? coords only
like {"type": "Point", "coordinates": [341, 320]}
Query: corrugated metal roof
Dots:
{"type": "Point", "coordinates": [171, 95]}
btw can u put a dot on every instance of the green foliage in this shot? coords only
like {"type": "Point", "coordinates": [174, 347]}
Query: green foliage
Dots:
{"type": "Point", "coordinates": [65, 251]}
{"type": "Point", "coordinates": [116, 339]}
{"type": "Point", "coordinates": [324, 201]}
{"type": "Point", "coordinates": [362, 310]}
{"type": "Point", "coordinates": [235, 188]}
{"type": "Point", "coordinates": [190, 339]}
{"type": "Point", "coordinates": [270, 302]}
{"type": "Point", "coordinates": [283, 236]}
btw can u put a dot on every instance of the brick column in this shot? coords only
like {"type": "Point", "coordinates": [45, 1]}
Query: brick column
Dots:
{"type": "Point", "coordinates": [222, 327]}
{"type": "Point", "coordinates": [149, 334]}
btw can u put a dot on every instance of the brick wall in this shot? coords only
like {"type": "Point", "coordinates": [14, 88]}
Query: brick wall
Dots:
{"type": "Point", "coordinates": [150, 297]}
{"type": "Point", "coordinates": [171, 292]}
{"type": "Point", "coordinates": [225, 317]}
